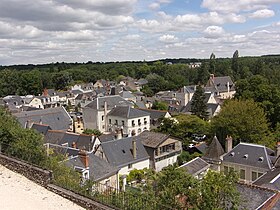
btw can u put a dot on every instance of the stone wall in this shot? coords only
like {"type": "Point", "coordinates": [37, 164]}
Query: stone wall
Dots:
{"type": "Point", "coordinates": [78, 199]}
{"type": "Point", "coordinates": [34, 173]}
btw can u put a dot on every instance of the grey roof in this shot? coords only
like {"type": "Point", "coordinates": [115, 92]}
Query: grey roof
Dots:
{"type": "Point", "coordinates": [65, 151]}
{"type": "Point", "coordinates": [57, 118]}
{"type": "Point", "coordinates": [195, 166]}
{"type": "Point", "coordinates": [107, 137]}
{"type": "Point", "coordinates": [202, 147]}
{"type": "Point", "coordinates": [253, 197]}
{"type": "Point", "coordinates": [98, 168]}
{"type": "Point", "coordinates": [220, 83]}
{"type": "Point", "coordinates": [155, 114]}
{"type": "Point", "coordinates": [270, 180]}
{"type": "Point", "coordinates": [51, 92]}
{"type": "Point", "coordinates": [112, 101]}
{"type": "Point", "coordinates": [75, 92]}
{"type": "Point", "coordinates": [127, 94]}
{"type": "Point", "coordinates": [212, 108]}
{"type": "Point", "coordinates": [41, 128]}
{"type": "Point", "coordinates": [13, 100]}
{"type": "Point", "coordinates": [119, 152]}
{"type": "Point", "coordinates": [188, 89]}
{"type": "Point", "coordinates": [214, 150]}
{"type": "Point", "coordinates": [152, 139]}
{"type": "Point", "coordinates": [140, 104]}
{"type": "Point", "coordinates": [127, 112]}
{"type": "Point", "coordinates": [249, 154]}
{"type": "Point", "coordinates": [82, 141]}
{"type": "Point", "coordinates": [142, 81]}
{"type": "Point", "coordinates": [29, 108]}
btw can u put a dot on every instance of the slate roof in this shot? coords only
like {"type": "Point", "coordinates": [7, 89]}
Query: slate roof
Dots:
{"type": "Point", "coordinates": [202, 147]}
{"type": "Point", "coordinates": [220, 83]}
{"type": "Point", "coordinates": [76, 92]}
{"type": "Point", "coordinates": [82, 141]}
{"type": "Point", "coordinates": [14, 100]}
{"type": "Point", "coordinates": [249, 154]}
{"type": "Point", "coordinates": [155, 114]}
{"type": "Point", "coordinates": [119, 152]}
{"type": "Point", "coordinates": [127, 112]}
{"type": "Point", "coordinates": [57, 118]}
{"type": "Point", "coordinates": [127, 94]}
{"type": "Point", "coordinates": [106, 137]}
{"type": "Point", "coordinates": [152, 139]}
{"type": "Point", "coordinates": [270, 180]}
{"type": "Point", "coordinates": [98, 168]}
{"type": "Point", "coordinates": [112, 101]}
{"type": "Point", "coordinates": [253, 197]}
{"type": "Point", "coordinates": [212, 108]}
{"type": "Point", "coordinates": [65, 151]}
{"type": "Point", "coordinates": [195, 166]}
{"type": "Point", "coordinates": [214, 150]}
{"type": "Point", "coordinates": [41, 128]}
{"type": "Point", "coordinates": [188, 89]}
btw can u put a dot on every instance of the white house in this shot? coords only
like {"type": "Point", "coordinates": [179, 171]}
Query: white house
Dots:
{"type": "Point", "coordinates": [131, 121]}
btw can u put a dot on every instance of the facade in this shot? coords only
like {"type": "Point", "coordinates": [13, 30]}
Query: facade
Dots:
{"type": "Point", "coordinates": [36, 102]}
{"type": "Point", "coordinates": [162, 149]}
{"type": "Point", "coordinates": [131, 121]}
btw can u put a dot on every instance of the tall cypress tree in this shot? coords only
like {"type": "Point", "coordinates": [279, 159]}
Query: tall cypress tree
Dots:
{"type": "Point", "coordinates": [198, 104]}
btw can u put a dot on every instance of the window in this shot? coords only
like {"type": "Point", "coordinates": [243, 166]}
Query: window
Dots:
{"type": "Point", "coordinates": [139, 122]}
{"type": "Point", "coordinates": [133, 123]}
{"type": "Point", "coordinates": [129, 165]}
{"type": "Point", "coordinates": [110, 121]}
{"type": "Point", "coordinates": [122, 122]}
{"type": "Point", "coordinates": [116, 122]}
{"type": "Point", "coordinates": [145, 121]}
{"type": "Point", "coordinates": [102, 117]}
{"type": "Point", "coordinates": [242, 174]}
{"type": "Point", "coordinates": [254, 175]}
{"type": "Point", "coordinates": [139, 130]}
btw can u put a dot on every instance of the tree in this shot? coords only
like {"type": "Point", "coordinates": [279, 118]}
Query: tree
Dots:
{"type": "Point", "coordinates": [158, 105]}
{"type": "Point", "coordinates": [244, 120]}
{"type": "Point", "coordinates": [198, 104]}
{"type": "Point", "coordinates": [212, 63]}
{"type": "Point", "coordinates": [92, 132]}
{"type": "Point", "coordinates": [235, 63]}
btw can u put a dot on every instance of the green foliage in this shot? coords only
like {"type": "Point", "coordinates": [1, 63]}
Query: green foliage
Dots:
{"type": "Point", "coordinates": [92, 132]}
{"type": "Point", "coordinates": [158, 105]}
{"type": "Point", "coordinates": [244, 120]}
{"type": "Point", "coordinates": [198, 104]}
{"type": "Point", "coordinates": [185, 157]}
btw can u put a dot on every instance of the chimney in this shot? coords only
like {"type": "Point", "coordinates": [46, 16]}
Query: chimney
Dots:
{"type": "Point", "coordinates": [228, 87]}
{"type": "Point", "coordinates": [119, 134]}
{"type": "Point", "coordinates": [134, 149]}
{"type": "Point", "coordinates": [105, 115]}
{"type": "Point", "coordinates": [45, 92]}
{"type": "Point", "coordinates": [74, 145]}
{"type": "Point", "coordinates": [228, 144]}
{"type": "Point", "coordinates": [84, 157]}
{"type": "Point", "coordinates": [212, 76]}
{"type": "Point", "coordinates": [278, 149]}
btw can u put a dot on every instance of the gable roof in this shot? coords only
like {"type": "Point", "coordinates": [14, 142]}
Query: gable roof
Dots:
{"type": "Point", "coordinates": [221, 83]}
{"type": "Point", "coordinates": [155, 114]}
{"type": "Point", "coordinates": [41, 128]}
{"type": "Point", "coordinates": [57, 118]}
{"type": "Point", "coordinates": [270, 180]}
{"type": "Point", "coordinates": [214, 150]}
{"type": "Point", "coordinates": [112, 101]}
{"type": "Point", "coordinates": [195, 166]}
{"type": "Point", "coordinates": [127, 94]}
{"type": "Point", "coordinates": [152, 139]}
{"type": "Point", "coordinates": [188, 89]}
{"type": "Point", "coordinates": [98, 168]}
{"type": "Point", "coordinates": [249, 154]}
{"type": "Point", "coordinates": [127, 112]}
{"type": "Point", "coordinates": [119, 152]}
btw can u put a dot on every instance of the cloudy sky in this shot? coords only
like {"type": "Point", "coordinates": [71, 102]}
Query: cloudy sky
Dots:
{"type": "Point", "coordinates": [44, 31]}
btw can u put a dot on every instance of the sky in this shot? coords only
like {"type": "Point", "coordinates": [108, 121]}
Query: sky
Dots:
{"type": "Point", "coordinates": [45, 31]}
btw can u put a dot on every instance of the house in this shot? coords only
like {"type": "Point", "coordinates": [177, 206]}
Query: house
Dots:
{"type": "Point", "coordinates": [185, 94]}
{"type": "Point", "coordinates": [156, 116]}
{"type": "Point", "coordinates": [66, 97]}
{"type": "Point", "coordinates": [94, 168]}
{"type": "Point", "coordinates": [127, 95]}
{"type": "Point", "coordinates": [213, 154]}
{"type": "Point", "coordinates": [251, 161]}
{"type": "Point", "coordinates": [125, 153]}
{"type": "Point", "coordinates": [223, 87]}
{"type": "Point", "coordinates": [196, 167]}
{"type": "Point", "coordinates": [74, 140]}
{"type": "Point", "coordinates": [57, 118]}
{"type": "Point", "coordinates": [95, 113]}
{"type": "Point", "coordinates": [131, 121]}
{"type": "Point", "coordinates": [162, 149]}
{"type": "Point", "coordinates": [84, 87]}
{"type": "Point", "coordinates": [34, 102]}
{"type": "Point", "coordinates": [14, 101]}
{"type": "Point", "coordinates": [269, 180]}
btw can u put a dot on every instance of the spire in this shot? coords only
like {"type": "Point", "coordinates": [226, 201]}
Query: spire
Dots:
{"type": "Point", "coordinates": [215, 149]}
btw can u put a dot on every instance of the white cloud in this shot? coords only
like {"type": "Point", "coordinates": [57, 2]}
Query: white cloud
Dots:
{"type": "Point", "coordinates": [214, 31]}
{"type": "Point", "coordinates": [264, 13]}
{"type": "Point", "coordinates": [154, 6]}
{"type": "Point", "coordinates": [167, 38]}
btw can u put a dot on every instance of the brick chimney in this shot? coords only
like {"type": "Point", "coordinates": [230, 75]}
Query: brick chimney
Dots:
{"type": "Point", "coordinates": [84, 157]}
{"type": "Point", "coordinates": [228, 144]}
{"type": "Point", "coordinates": [134, 149]}
{"type": "Point", "coordinates": [45, 92]}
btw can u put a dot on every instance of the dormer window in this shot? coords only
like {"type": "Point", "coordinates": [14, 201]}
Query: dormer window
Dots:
{"type": "Point", "coordinates": [231, 154]}
{"type": "Point", "coordinates": [260, 159]}
{"type": "Point", "coordinates": [245, 156]}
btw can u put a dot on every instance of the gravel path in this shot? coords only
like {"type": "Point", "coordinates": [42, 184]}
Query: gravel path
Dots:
{"type": "Point", "coordinates": [19, 193]}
